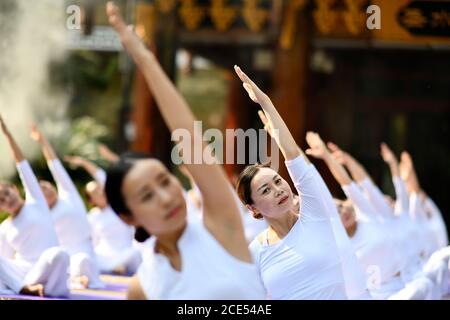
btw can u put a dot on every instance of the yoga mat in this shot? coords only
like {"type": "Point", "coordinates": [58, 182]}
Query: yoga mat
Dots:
{"type": "Point", "coordinates": [115, 289]}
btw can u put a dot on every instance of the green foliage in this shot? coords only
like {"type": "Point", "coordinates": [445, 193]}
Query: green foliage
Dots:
{"type": "Point", "coordinates": [3, 216]}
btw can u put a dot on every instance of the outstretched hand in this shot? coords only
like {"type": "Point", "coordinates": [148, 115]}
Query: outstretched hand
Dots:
{"type": "Point", "coordinates": [387, 154]}
{"type": "Point", "coordinates": [317, 147]}
{"type": "Point", "coordinates": [406, 165]}
{"type": "Point", "coordinates": [337, 153]}
{"type": "Point", "coordinates": [107, 154]}
{"type": "Point", "coordinates": [408, 172]}
{"type": "Point", "coordinates": [74, 161]}
{"type": "Point", "coordinates": [254, 92]}
{"type": "Point", "coordinates": [114, 17]}
{"type": "Point", "coordinates": [36, 134]}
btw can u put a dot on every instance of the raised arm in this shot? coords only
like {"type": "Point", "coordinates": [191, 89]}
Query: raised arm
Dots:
{"type": "Point", "coordinates": [361, 176]}
{"type": "Point", "coordinates": [319, 150]}
{"type": "Point", "coordinates": [408, 173]}
{"type": "Point", "coordinates": [59, 173]}
{"type": "Point", "coordinates": [17, 153]}
{"type": "Point", "coordinates": [108, 154]}
{"type": "Point", "coordinates": [94, 171]}
{"type": "Point", "coordinates": [220, 212]}
{"type": "Point", "coordinates": [33, 191]}
{"type": "Point", "coordinates": [279, 131]}
{"type": "Point", "coordinates": [401, 203]}
{"type": "Point", "coordinates": [356, 170]}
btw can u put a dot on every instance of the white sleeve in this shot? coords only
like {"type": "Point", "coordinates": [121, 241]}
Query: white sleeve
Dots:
{"type": "Point", "coordinates": [255, 249]}
{"type": "Point", "coordinates": [360, 202]}
{"type": "Point", "coordinates": [377, 199]}
{"type": "Point", "coordinates": [100, 176]}
{"type": "Point", "coordinates": [401, 195]}
{"type": "Point", "coordinates": [33, 191]}
{"type": "Point", "coordinates": [311, 204]}
{"type": "Point", "coordinates": [325, 193]}
{"type": "Point", "coordinates": [91, 218]}
{"type": "Point", "coordinates": [6, 250]}
{"type": "Point", "coordinates": [436, 213]}
{"type": "Point", "coordinates": [66, 187]}
{"type": "Point", "coordinates": [416, 211]}
{"type": "Point", "coordinates": [61, 177]}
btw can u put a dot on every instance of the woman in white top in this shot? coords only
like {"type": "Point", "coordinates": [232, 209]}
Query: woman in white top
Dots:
{"type": "Point", "coordinates": [297, 255]}
{"type": "Point", "coordinates": [69, 216]}
{"type": "Point", "coordinates": [112, 238]}
{"type": "Point", "coordinates": [367, 234]}
{"type": "Point", "coordinates": [354, 275]}
{"type": "Point", "coordinates": [31, 261]}
{"type": "Point", "coordinates": [204, 259]}
{"type": "Point", "coordinates": [395, 232]}
{"type": "Point", "coordinates": [434, 262]}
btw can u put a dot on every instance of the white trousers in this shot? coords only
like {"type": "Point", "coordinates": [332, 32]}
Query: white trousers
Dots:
{"type": "Point", "coordinates": [51, 270]}
{"type": "Point", "coordinates": [129, 259]}
{"type": "Point", "coordinates": [82, 264]}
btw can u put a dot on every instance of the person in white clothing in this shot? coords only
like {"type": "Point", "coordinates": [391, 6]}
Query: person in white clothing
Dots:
{"type": "Point", "coordinates": [434, 263]}
{"type": "Point", "coordinates": [296, 255]}
{"type": "Point", "coordinates": [31, 261]}
{"type": "Point", "coordinates": [367, 234]}
{"type": "Point", "coordinates": [112, 238]}
{"type": "Point", "coordinates": [396, 226]}
{"type": "Point", "coordinates": [206, 258]}
{"type": "Point", "coordinates": [354, 275]}
{"type": "Point", "coordinates": [70, 219]}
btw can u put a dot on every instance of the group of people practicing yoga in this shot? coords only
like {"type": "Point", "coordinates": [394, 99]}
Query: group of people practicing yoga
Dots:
{"type": "Point", "coordinates": [256, 239]}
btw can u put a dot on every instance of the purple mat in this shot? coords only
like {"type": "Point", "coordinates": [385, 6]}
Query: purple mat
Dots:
{"type": "Point", "coordinates": [81, 294]}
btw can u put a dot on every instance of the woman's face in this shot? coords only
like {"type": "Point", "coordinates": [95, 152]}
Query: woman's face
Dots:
{"type": "Point", "coordinates": [154, 197]}
{"type": "Point", "coordinates": [271, 194]}
{"type": "Point", "coordinates": [346, 213]}
{"type": "Point", "coordinates": [50, 193]}
{"type": "Point", "coordinates": [10, 200]}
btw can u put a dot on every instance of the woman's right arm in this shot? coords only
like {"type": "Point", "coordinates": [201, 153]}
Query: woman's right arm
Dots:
{"type": "Point", "coordinates": [401, 203]}
{"type": "Point", "coordinates": [319, 150]}
{"type": "Point", "coordinates": [33, 191]}
{"type": "Point", "coordinates": [221, 214]}
{"type": "Point", "coordinates": [361, 176]}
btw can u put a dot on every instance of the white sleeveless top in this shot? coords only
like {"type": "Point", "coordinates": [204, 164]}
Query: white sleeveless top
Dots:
{"type": "Point", "coordinates": [208, 271]}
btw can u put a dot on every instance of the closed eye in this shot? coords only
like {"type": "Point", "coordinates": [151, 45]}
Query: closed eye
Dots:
{"type": "Point", "coordinates": [165, 182]}
{"type": "Point", "coordinates": [146, 196]}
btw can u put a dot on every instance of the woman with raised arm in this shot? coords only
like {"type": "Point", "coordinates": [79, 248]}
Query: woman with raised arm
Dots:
{"type": "Point", "coordinates": [404, 225]}
{"type": "Point", "coordinates": [111, 237]}
{"type": "Point", "coordinates": [420, 287]}
{"type": "Point", "coordinates": [31, 261]}
{"type": "Point", "coordinates": [366, 232]}
{"type": "Point", "coordinates": [354, 275]}
{"type": "Point", "coordinates": [69, 216]}
{"type": "Point", "coordinates": [297, 255]}
{"type": "Point", "coordinates": [207, 259]}
{"type": "Point", "coordinates": [433, 263]}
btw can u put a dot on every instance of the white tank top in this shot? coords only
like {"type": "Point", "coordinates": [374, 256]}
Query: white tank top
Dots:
{"type": "Point", "coordinates": [208, 271]}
